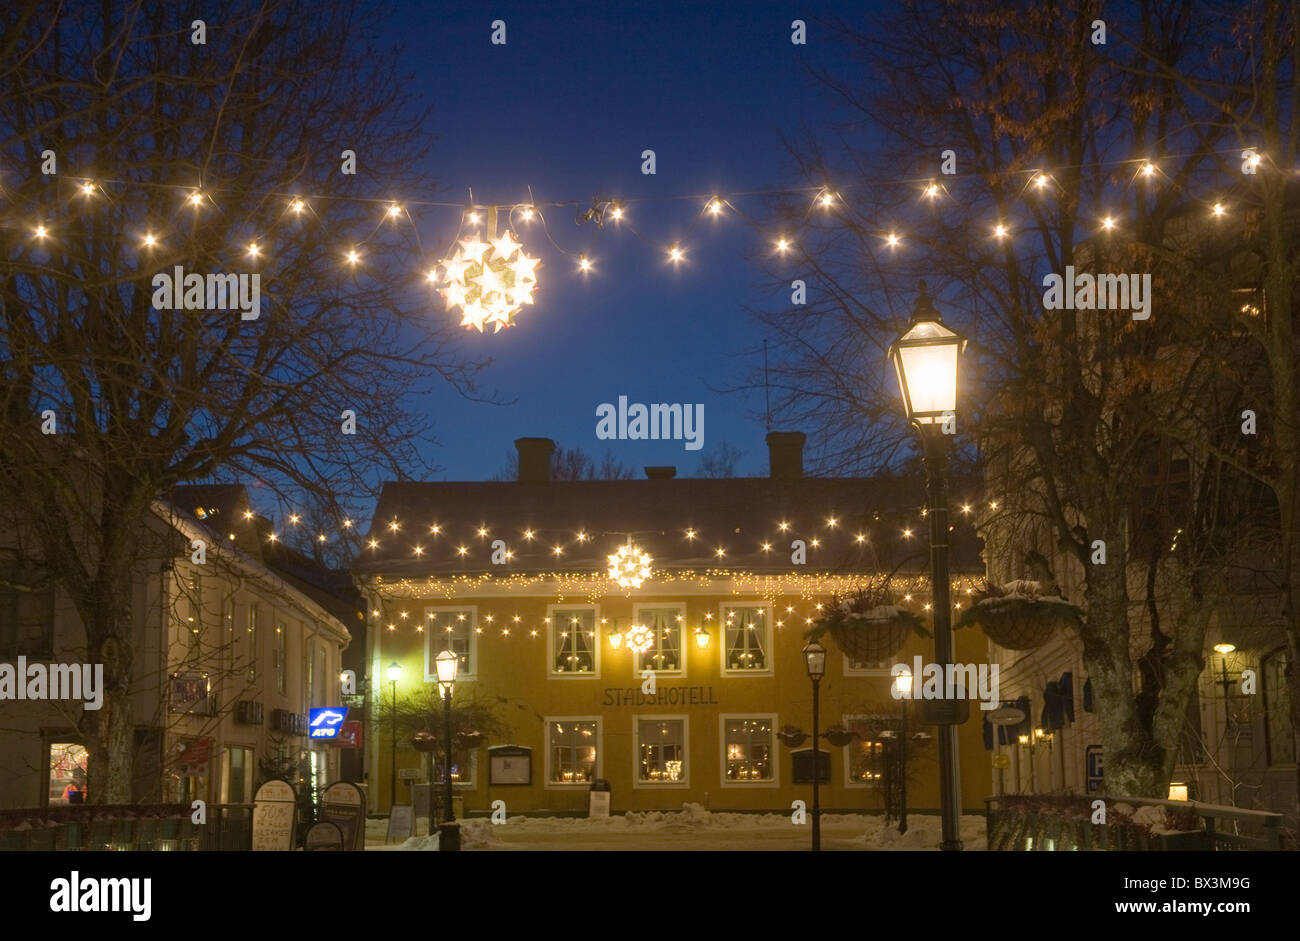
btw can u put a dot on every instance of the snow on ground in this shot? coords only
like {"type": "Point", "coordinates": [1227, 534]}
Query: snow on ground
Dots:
{"type": "Point", "coordinates": [691, 828]}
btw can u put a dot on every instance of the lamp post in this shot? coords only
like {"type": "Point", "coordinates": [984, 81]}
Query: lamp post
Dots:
{"type": "Point", "coordinates": [394, 671]}
{"type": "Point", "coordinates": [903, 682]}
{"type": "Point", "coordinates": [447, 663]}
{"type": "Point", "coordinates": [814, 655]}
{"type": "Point", "coordinates": [926, 358]}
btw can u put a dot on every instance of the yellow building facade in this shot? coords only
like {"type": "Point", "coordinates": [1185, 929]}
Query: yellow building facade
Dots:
{"type": "Point", "coordinates": [514, 578]}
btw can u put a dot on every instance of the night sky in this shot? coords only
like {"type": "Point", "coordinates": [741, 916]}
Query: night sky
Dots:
{"type": "Point", "coordinates": [566, 107]}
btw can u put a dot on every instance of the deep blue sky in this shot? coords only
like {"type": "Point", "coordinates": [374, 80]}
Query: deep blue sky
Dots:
{"type": "Point", "coordinates": [566, 107]}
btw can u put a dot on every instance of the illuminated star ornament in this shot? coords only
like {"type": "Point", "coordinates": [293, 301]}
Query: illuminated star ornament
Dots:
{"type": "Point", "coordinates": [640, 638]}
{"type": "Point", "coordinates": [629, 566]}
{"type": "Point", "coordinates": [489, 281]}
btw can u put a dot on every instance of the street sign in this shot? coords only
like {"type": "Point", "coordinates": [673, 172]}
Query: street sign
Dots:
{"type": "Point", "coordinates": [325, 722]}
{"type": "Point", "coordinates": [1093, 757]}
{"type": "Point", "coordinates": [408, 774]}
{"type": "Point", "coordinates": [1006, 715]}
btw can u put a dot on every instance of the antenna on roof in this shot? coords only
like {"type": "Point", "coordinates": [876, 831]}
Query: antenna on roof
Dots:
{"type": "Point", "coordinates": [767, 395]}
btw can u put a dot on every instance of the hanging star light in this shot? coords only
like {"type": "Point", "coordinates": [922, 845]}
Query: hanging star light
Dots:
{"type": "Point", "coordinates": [639, 638]}
{"type": "Point", "coordinates": [489, 281]}
{"type": "Point", "coordinates": [629, 566]}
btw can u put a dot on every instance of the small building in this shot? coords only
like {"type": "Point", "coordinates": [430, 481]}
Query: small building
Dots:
{"type": "Point", "coordinates": [233, 647]}
{"type": "Point", "coordinates": [514, 578]}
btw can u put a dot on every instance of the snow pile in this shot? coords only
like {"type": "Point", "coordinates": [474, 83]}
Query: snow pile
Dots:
{"type": "Point", "coordinates": [695, 828]}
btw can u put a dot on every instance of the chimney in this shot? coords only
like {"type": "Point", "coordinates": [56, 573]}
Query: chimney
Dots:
{"type": "Point", "coordinates": [534, 459]}
{"type": "Point", "coordinates": [785, 454]}
{"type": "Point", "coordinates": [660, 473]}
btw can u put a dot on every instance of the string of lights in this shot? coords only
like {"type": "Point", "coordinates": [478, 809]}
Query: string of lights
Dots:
{"type": "Point", "coordinates": [490, 280]}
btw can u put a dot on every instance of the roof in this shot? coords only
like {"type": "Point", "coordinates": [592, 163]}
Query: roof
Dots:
{"type": "Point", "coordinates": [680, 523]}
{"type": "Point", "coordinates": [223, 509]}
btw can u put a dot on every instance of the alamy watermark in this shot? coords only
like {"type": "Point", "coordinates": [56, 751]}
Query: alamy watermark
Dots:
{"type": "Point", "coordinates": [1085, 291]}
{"type": "Point", "coordinates": [181, 291]}
{"type": "Point", "coordinates": [53, 681]}
{"type": "Point", "coordinates": [949, 681]}
{"type": "Point", "coordinates": [658, 422]}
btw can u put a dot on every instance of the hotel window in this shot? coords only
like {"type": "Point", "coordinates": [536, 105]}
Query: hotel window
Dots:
{"type": "Point", "coordinates": [281, 649]}
{"type": "Point", "coordinates": [451, 629]}
{"type": "Point", "coordinates": [667, 626]}
{"type": "Point", "coordinates": [856, 667]}
{"type": "Point", "coordinates": [254, 643]}
{"type": "Point", "coordinates": [228, 636]}
{"type": "Point", "coordinates": [748, 632]}
{"type": "Point", "coordinates": [573, 645]}
{"type": "Point", "coordinates": [747, 750]}
{"type": "Point", "coordinates": [868, 754]}
{"type": "Point", "coordinates": [236, 775]}
{"type": "Point", "coordinates": [26, 615]}
{"type": "Point", "coordinates": [661, 751]}
{"type": "Point", "coordinates": [463, 767]}
{"type": "Point", "coordinates": [572, 749]}
{"type": "Point", "coordinates": [192, 615]}
{"type": "Point", "coordinates": [1278, 730]}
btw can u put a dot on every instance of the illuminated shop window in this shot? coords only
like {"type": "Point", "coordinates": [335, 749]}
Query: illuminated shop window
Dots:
{"type": "Point", "coordinates": [572, 744]}
{"type": "Point", "coordinates": [875, 745]}
{"type": "Point", "coordinates": [451, 629]}
{"type": "Point", "coordinates": [67, 779]}
{"type": "Point", "coordinates": [666, 625]}
{"type": "Point", "coordinates": [748, 632]}
{"type": "Point", "coordinates": [661, 751]}
{"type": "Point", "coordinates": [573, 641]}
{"type": "Point", "coordinates": [747, 749]}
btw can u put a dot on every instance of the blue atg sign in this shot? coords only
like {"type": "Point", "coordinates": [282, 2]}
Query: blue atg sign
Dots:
{"type": "Point", "coordinates": [1093, 755]}
{"type": "Point", "coordinates": [325, 722]}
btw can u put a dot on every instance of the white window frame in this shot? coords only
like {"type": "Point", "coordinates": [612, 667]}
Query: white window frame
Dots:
{"type": "Point", "coordinates": [682, 639]}
{"type": "Point", "coordinates": [430, 669]}
{"type": "Point", "coordinates": [774, 756]}
{"type": "Point", "coordinates": [551, 672]}
{"type": "Point", "coordinates": [472, 783]}
{"type": "Point", "coordinates": [847, 719]}
{"type": "Point", "coordinates": [685, 782]}
{"type": "Point", "coordinates": [767, 646]}
{"type": "Point", "coordinates": [870, 671]}
{"type": "Point", "coordinates": [597, 772]}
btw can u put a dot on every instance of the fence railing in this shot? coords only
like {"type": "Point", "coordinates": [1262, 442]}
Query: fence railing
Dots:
{"type": "Point", "coordinates": [166, 828]}
{"type": "Point", "coordinates": [1065, 822]}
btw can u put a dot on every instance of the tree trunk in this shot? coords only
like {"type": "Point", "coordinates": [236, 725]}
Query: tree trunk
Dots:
{"type": "Point", "coordinates": [110, 730]}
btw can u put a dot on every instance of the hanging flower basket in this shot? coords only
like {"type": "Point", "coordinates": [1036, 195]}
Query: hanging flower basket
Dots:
{"type": "Point", "coordinates": [839, 736]}
{"type": "Point", "coordinates": [791, 736]}
{"type": "Point", "coordinates": [868, 625]}
{"type": "Point", "coordinates": [1020, 615]}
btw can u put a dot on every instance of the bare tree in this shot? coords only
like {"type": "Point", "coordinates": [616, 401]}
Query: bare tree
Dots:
{"type": "Point", "coordinates": [175, 154]}
{"type": "Point", "coordinates": [1072, 409]}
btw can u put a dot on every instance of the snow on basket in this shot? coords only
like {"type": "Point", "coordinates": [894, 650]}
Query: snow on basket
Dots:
{"type": "Point", "coordinates": [1020, 615]}
{"type": "Point", "coordinates": [867, 625]}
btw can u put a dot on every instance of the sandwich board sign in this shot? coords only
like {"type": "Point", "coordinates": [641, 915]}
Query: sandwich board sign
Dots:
{"type": "Point", "coordinates": [341, 805]}
{"type": "Point", "coordinates": [324, 836]}
{"type": "Point", "coordinates": [275, 812]}
{"type": "Point", "coordinates": [401, 823]}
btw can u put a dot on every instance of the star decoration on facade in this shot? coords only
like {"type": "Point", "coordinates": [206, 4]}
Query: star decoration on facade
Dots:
{"type": "Point", "coordinates": [640, 638]}
{"type": "Point", "coordinates": [489, 281]}
{"type": "Point", "coordinates": [629, 566]}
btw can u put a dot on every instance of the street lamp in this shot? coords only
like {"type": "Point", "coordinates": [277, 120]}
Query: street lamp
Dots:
{"type": "Point", "coordinates": [394, 672]}
{"type": "Point", "coordinates": [903, 683]}
{"type": "Point", "coordinates": [446, 664]}
{"type": "Point", "coordinates": [1223, 649]}
{"type": "Point", "coordinates": [701, 638]}
{"type": "Point", "coordinates": [814, 655]}
{"type": "Point", "coordinates": [926, 358]}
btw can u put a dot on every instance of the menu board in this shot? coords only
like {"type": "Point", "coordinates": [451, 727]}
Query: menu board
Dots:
{"type": "Point", "coordinates": [274, 815]}
{"type": "Point", "coordinates": [324, 836]}
{"type": "Point", "coordinates": [341, 805]}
